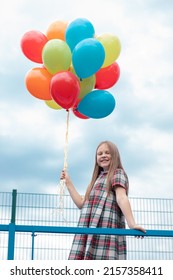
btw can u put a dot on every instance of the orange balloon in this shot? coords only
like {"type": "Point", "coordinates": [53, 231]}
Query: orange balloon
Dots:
{"type": "Point", "coordinates": [37, 82]}
{"type": "Point", "coordinates": [57, 30]}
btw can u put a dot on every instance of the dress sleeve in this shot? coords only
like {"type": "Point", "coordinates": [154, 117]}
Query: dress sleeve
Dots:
{"type": "Point", "coordinates": [120, 179]}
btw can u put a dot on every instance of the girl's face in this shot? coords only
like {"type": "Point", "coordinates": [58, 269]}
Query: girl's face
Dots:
{"type": "Point", "coordinates": [104, 157]}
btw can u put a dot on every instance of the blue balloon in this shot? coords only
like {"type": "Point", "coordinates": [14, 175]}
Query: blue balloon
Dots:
{"type": "Point", "coordinates": [77, 31]}
{"type": "Point", "coordinates": [97, 104]}
{"type": "Point", "coordinates": [88, 57]}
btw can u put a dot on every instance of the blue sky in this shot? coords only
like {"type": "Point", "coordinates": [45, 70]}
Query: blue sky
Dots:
{"type": "Point", "coordinates": [32, 135]}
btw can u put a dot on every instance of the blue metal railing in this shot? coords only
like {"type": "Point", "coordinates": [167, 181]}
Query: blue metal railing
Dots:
{"type": "Point", "coordinates": [32, 227]}
{"type": "Point", "coordinates": [12, 229]}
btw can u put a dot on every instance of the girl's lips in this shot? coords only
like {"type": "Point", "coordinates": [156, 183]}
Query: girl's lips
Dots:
{"type": "Point", "coordinates": [104, 162]}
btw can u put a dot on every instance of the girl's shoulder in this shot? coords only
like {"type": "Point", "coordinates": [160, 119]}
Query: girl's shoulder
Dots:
{"type": "Point", "coordinates": [120, 178]}
{"type": "Point", "coordinates": [120, 171]}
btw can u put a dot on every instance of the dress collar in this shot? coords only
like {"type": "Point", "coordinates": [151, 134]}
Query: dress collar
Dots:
{"type": "Point", "coordinates": [103, 172]}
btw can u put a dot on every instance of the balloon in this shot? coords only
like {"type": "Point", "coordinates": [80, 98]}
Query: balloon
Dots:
{"type": "Point", "coordinates": [57, 30]}
{"type": "Point", "coordinates": [112, 47]}
{"type": "Point", "coordinates": [76, 112]}
{"type": "Point", "coordinates": [65, 89]}
{"type": "Point", "coordinates": [77, 67]}
{"type": "Point", "coordinates": [32, 44]}
{"type": "Point", "coordinates": [53, 105]}
{"type": "Point", "coordinates": [77, 31]}
{"type": "Point", "coordinates": [56, 56]}
{"type": "Point", "coordinates": [86, 85]}
{"type": "Point", "coordinates": [87, 57]}
{"type": "Point", "coordinates": [97, 104]}
{"type": "Point", "coordinates": [108, 76]}
{"type": "Point", "coordinates": [37, 82]}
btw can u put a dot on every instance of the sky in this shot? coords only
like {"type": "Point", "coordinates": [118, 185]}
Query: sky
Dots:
{"type": "Point", "coordinates": [32, 135]}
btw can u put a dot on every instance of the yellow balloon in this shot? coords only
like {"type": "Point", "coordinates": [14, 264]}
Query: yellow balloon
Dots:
{"type": "Point", "coordinates": [56, 56]}
{"type": "Point", "coordinates": [112, 47]}
{"type": "Point", "coordinates": [86, 84]}
{"type": "Point", "coordinates": [53, 105]}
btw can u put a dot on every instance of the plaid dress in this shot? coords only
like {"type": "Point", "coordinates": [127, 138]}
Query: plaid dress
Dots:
{"type": "Point", "coordinates": [101, 210]}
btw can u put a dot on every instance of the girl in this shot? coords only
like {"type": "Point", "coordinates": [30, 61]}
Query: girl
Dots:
{"type": "Point", "coordinates": [105, 204]}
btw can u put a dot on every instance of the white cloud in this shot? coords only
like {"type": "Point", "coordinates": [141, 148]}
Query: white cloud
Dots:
{"type": "Point", "coordinates": [32, 136]}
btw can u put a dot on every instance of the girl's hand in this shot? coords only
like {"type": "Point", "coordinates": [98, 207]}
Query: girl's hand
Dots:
{"type": "Point", "coordinates": [64, 176]}
{"type": "Point", "coordinates": [137, 227]}
{"type": "Point", "coordinates": [76, 197]}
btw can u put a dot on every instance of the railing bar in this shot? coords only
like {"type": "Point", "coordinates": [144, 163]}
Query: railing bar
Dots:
{"type": "Point", "coordinates": [78, 230]}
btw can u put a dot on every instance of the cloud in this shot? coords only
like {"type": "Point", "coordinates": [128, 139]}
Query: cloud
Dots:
{"type": "Point", "coordinates": [32, 136]}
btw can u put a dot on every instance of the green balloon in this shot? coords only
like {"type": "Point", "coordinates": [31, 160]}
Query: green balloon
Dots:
{"type": "Point", "coordinates": [86, 85]}
{"type": "Point", "coordinates": [56, 56]}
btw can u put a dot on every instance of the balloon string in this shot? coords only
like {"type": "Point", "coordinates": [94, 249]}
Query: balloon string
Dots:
{"type": "Point", "coordinates": [66, 141]}
{"type": "Point", "coordinates": [61, 186]}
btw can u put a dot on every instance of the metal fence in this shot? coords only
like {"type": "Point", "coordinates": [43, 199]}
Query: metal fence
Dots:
{"type": "Point", "coordinates": [38, 216]}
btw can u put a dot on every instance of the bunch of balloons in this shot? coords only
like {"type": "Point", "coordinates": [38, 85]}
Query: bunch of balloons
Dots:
{"type": "Point", "coordinates": [76, 67]}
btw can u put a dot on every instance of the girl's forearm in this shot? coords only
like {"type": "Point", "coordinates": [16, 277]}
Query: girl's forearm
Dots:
{"type": "Point", "coordinates": [125, 207]}
{"type": "Point", "coordinates": [76, 197]}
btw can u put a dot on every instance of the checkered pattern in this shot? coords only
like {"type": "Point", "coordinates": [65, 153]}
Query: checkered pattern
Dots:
{"type": "Point", "coordinates": [101, 210]}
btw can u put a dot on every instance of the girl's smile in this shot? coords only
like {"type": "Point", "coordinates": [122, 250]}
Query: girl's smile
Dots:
{"type": "Point", "coordinates": [104, 156]}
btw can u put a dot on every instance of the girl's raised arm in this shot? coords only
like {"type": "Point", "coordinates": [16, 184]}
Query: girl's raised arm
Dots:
{"type": "Point", "coordinates": [76, 197]}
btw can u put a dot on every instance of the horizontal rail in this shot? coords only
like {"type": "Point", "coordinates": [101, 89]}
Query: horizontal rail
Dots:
{"type": "Point", "coordinates": [79, 230]}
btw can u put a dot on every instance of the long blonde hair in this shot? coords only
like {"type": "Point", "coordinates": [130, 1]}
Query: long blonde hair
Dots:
{"type": "Point", "coordinates": [115, 163]}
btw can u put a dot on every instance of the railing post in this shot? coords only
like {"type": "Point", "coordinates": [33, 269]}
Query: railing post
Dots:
{"type": "Point", "coordinates": [11, 241]}
{"type": "Point", "coordinates": [13, 208]}
{"type": "Point", "coordinates": [32, 249]}
{"type": "Point", "coordinates": [11, 233]}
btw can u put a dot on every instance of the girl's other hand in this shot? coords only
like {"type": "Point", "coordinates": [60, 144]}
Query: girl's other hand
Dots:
{"type": "Point", "coordinates": [137, 227]}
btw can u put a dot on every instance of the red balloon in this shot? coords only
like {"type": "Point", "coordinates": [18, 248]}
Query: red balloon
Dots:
{"type": "Point", "coordinates": [32, 44]}
{"type": "Point", "coordinates": [108, 76]}
{"type": "Point", "coordinates": [76, 112]}
{"type": "Point", "coordinates": [65, 89]}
